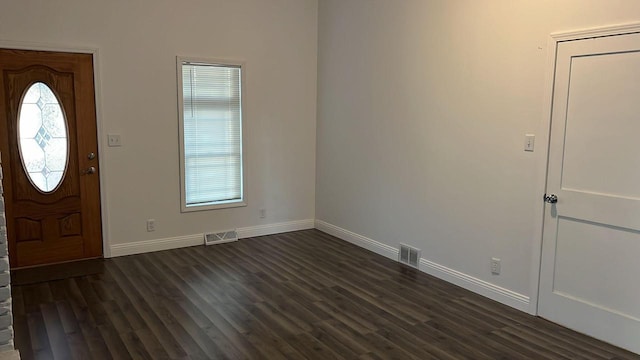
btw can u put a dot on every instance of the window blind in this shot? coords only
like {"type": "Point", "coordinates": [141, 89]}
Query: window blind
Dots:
{"type": "Point", "coordinates": [212, 121]}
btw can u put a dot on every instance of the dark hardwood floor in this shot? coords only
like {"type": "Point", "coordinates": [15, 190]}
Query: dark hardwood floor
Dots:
{"type": "Point", "coordinates": [296, 295]}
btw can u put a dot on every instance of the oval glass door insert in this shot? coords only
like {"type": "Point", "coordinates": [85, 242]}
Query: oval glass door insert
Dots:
{"type": "Point", "coordinates": [42, 134]}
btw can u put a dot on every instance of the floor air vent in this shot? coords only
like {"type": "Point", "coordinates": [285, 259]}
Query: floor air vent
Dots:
{"type": "Point", "coordinates": [409, 255]}
{"type": "Point", "coordinates": [220, 237]}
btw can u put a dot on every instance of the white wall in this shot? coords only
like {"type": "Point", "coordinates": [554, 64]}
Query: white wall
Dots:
{"type": "Point", "coordinates": [138, 42]}
{"type": "Point", "coordinates": [422, 110]}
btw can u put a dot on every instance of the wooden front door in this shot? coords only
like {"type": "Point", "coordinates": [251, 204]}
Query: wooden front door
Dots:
{"type": "Point", "coordinates": [49, 157]}
{"type": "Point", "coordinates": [591, 246]}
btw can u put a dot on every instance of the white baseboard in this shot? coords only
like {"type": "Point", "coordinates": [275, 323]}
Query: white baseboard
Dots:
{"type": "Point", "coordinates": [277, 228]}
{"type": "Point", "coordinates": [357, 239]}
{"type": "Point", "coordinates": [484, 288]}
{"type": "Point", "coordinates": [140, 247]}
{"type": "Point", "coordinates": [478, 286]}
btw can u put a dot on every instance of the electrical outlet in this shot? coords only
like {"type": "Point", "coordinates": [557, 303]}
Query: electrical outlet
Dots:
{"type": "Point", "coordinates": [263, 213]}
{"type": "Point", "coordinates": [495, 266]}
{"type": "Point", "coordinates": [151, 225]}
{"type": "Point", "coordinates": [114, 140]}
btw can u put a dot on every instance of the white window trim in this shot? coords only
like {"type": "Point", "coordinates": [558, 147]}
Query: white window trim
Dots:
{"type": "Point", "coordinates": [183, 198]}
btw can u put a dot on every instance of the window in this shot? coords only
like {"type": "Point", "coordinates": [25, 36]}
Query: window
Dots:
{"type": "Point", "coordinates": [210, 111]}
{"type": "Point", "coordinates": [42, 137]}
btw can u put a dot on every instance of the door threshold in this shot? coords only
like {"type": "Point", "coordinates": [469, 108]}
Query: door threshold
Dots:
{"type": "Point", "coordinates": [34, 275]}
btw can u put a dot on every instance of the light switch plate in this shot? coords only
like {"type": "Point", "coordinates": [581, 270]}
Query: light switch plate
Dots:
{"type": "Point", "coordinates": [529, 142]}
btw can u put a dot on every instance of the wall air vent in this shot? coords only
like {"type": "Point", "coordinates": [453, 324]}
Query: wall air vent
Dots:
{"type": "Point", "coordinates": [409, 255]}
{"type": "Point", "coordinates": [220, 237]}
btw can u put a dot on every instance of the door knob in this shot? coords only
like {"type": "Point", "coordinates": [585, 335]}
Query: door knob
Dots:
{"type": "Point", "coordinates": [90, 170]}
{"type": "Point", "coordinates": [551, 198]}
{"type": "Point", "coordinates": [91, 156]}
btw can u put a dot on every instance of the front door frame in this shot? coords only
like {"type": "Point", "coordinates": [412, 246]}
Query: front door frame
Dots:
{"type": "Point", "coordinates": [544, 131]}
{"type": "Point", "coordinates": [106, 248]}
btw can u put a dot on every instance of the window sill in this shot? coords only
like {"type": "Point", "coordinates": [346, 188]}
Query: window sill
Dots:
{"type": "Point", "coordinates": [219, 206]}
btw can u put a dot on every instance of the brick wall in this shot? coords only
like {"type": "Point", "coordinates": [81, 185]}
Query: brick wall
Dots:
{"type": "Point", "coordinates": [6, 319]}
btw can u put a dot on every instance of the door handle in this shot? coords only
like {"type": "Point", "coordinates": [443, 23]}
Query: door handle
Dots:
{"type": "Point", "coordinates": [91, 156]}
{"type": "Point", "coordinates": [90, 170]}
{"type": "Point", "coordinates": [551, 198]}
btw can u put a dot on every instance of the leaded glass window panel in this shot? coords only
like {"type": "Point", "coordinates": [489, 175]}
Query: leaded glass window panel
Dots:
{"type": "Point", "coordinates": [42, 134]}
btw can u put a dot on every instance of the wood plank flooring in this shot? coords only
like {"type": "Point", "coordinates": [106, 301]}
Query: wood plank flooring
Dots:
{"type": "Point", "coordinates": [300, 295]}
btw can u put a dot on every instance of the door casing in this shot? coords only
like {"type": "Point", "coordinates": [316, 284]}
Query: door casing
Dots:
{"type": "Point", "coordinates": [106, 248]}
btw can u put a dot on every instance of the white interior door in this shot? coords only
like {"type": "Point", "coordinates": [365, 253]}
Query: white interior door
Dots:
{"type": "Point", "coordinates": [590, 274]}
